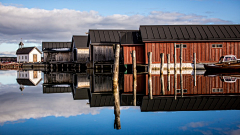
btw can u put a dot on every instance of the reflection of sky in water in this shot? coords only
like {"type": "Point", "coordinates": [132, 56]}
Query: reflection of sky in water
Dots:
{"type": "Point", "coordinates": [8, 77]}
{"type": "Point", "coordinates": [32, 112]}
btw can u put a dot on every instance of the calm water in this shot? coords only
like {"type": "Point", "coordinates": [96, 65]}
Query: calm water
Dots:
{"type": "Point", "coordinates": [33, 102]}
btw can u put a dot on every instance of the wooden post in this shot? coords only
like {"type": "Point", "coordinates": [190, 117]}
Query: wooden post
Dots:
{"type": "Point", "coordinates": [175, 72]}
{"type": "Point", "coordinates": [161, 74]}
{"type": "Point", "coordinates": [181, 47]}
{"type": "Point", "coordinates": [117, 123]}
{"type": "Point", "coordinates": [150, 75]}
{"type": "Point", "coordinates": [195, 79]}
{"type": "Point", "coordinates": [168, 71]}
{"type": "Point", "coordinates": [134, 70]}
{"type": "Point", "coordinates": [181, 83]}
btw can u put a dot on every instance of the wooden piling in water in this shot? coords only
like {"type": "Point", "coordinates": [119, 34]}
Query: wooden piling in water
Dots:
{"type": "Point", "coordinates": [175, 72]}
{"type": "Point", "coordinates": [168, 71]}
{"type": "Point", "coordinates": [134, 70]}
{"type": "Point", "coordinates": [195, 80]}
{"type": "Point", "coordinates": [117, 123]}
{"type": "Point", "coordinates": [150, 75]}
{"type": "Point", "coordinates": [161, 74]}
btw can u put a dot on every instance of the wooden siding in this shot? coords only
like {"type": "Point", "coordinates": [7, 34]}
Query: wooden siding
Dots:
{"type": "Point", "coordinates": [204, 85]}
{"type": "Point", "coordinates": [58, 78]}
{"type": "Point", "coordinates": [82, 55]}
{"type": "Point", "coordinates": [127, 50]}
{"type": "Point", "coordinates": [58, 57]}
{"type": "Point", "coordinates": [204, 51]}
{"type": "Point", "coordinates": [128, 83]}
{"type": "Point", "coordinates": [103, 54]}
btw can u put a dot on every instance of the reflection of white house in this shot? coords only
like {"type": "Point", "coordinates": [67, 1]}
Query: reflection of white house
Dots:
{"type": "Point", "coordinates": [28, 54]}
{"type": "Point", "coordinates": [29, 78]}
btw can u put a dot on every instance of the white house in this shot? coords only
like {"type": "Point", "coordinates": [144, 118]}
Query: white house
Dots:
{"type": "Point", "coordinates": [28, 78]}
{"type": "Point", "coordinates": [28, 54]}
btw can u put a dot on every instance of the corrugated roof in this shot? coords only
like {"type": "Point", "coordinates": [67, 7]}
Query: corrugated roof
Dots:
{"type": "Point", "coordinates": [189, 32]}
{"type": "Point", "coordinates": [115, 36]}
{"type": "Point", "coordinates": [191, 103]}
{"type": "Point", "coordinates": [26, 50]}
{"type": "Point", "coordinates": [56, 45]}
{"type": "Point", "coordinates": [80, 41]}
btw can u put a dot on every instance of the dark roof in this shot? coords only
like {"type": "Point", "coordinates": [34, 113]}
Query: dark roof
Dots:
{"type": "Point", "coordinates": [57, 89]}
{"type": "Point", "coordinates": [27, 82]}
{"type": "Point", "coordinates": [112, 36]}
{"type": "Point", "coordinates": [26, 50]}
{"type": "Point", "coordinates": [191, 103]}
{"type": "Point", "coordinates": [189, 32]}
{"type": "Point", "coordinates": [80, 41]}
{"type": "Point", "coordinates": [56, 45]}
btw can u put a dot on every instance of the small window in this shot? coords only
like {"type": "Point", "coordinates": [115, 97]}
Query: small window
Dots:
{"type": "Point", "coordinates": [178, 46]}
{"type": "Point", "coordinates": [216, 45]}
{"type": "Point", "coordinates": [217, 90]}
{"type": "Point", "coordinates": [25, 75]}
{"type": "Point", "coordinates": [25, 57]}
{"type": "Point", "coordinates": [22, 57]}
{"type": "Point", "coordinates": [179, 91]}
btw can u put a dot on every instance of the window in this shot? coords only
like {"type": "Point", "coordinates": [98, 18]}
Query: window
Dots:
{"type": "Point", "coordinates": [217, 90]}
{"type": "Point", "coordinates": [25, 57]}
{"type": "Point", "coordinates": [22, 57]}
{"type": "Point", "coordinates": [178, 46]}
{"type": "Point", "coordinates": [25, 75]}
{"type": "Point", "coordinates": [184, 91]}
{"type": "Point", "coordinates": [216, 45]}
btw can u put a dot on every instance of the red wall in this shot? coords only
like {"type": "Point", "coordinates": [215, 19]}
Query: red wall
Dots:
{"type": "Point", "coordinates": [203, 86]}
{"type": "Point", "coordinates": [139, 53]}
{"type": "Point", "coordinates": [204, 51]}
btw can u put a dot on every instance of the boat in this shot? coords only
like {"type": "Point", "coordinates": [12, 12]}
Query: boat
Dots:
{"type": "Point", "coordinates": [228, 63]}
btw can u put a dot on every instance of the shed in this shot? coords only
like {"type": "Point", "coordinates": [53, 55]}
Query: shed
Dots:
{"type": "Point", "coordinates": [81, 50]}
{"type": "Point", "coordinates": [28, 54]}
{"type": "Point", "coordinates": [29, 78]}
{"type": "Point", "coordinates": [57, 52]}
{"type": "Point", "coordinates": [101, 43]}
{"type": "Point", "coordinates": [209, 42]}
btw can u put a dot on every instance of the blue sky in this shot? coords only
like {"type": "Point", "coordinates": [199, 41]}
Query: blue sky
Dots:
{"type": "Point", "coordinates": [58, 20]}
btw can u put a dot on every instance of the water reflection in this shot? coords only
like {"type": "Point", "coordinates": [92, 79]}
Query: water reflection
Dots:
{"type": "Point", "coordinates": [94, 89]}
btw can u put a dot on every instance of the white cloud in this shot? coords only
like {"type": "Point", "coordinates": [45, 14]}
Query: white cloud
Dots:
{"type": "Point", "coordinates": [60, 24]}
{"type": "Point", "coordinates": [194, 125]}
{"type": "Point", "coordinates": [32, 103]}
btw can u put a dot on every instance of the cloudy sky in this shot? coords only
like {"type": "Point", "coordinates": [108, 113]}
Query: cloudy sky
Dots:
{"type": "Point", "coordinates": [58, 20]}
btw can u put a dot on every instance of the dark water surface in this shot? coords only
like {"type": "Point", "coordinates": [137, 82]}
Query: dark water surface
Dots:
{"type": "Point", "coordinates": [33, 102]}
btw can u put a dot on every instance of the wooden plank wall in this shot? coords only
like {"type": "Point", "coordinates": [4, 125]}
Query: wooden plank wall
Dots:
{"type": "Point", "coordinates": [204, 50]}
{"type": "Point", "coordinates": [103, 54]}
{"type": "Point", "coordinates": [139, 54]}
{"type": "Point", "coordinates": [204, 85]}
{"type": "Point", "coordinates": [128, 83]}
{"type": "Point", "coordinates": [60, 78]}
{"type": "Point", "coordinates": [82, 55]}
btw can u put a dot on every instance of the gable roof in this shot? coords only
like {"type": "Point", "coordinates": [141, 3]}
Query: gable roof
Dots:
{"type": "Point", "coordinates": [27, 82]}
{"type": "Point", "coordinates": [26, 50]}
{"type": "Point", "coordinates": [99, 37]}
{"type": "Point", "coordinates": [194, 103]}
{"type": "Point", "coordinates": [189, 32]}
{"type": "Point", "coordinates": [80, 41]}
{"type": "Point", "coordinates": [56, 45]}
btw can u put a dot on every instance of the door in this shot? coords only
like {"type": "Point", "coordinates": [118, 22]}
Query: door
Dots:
{"type": "Point", "coordinates": [34, 57]}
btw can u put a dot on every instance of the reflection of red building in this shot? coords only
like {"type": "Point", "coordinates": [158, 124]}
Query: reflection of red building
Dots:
{"type": "Point", "coordinates": [204, 85]}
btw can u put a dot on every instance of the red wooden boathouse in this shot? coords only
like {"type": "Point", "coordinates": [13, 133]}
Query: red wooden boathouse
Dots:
{"type": "Point", "coordinates": [209, 42]}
